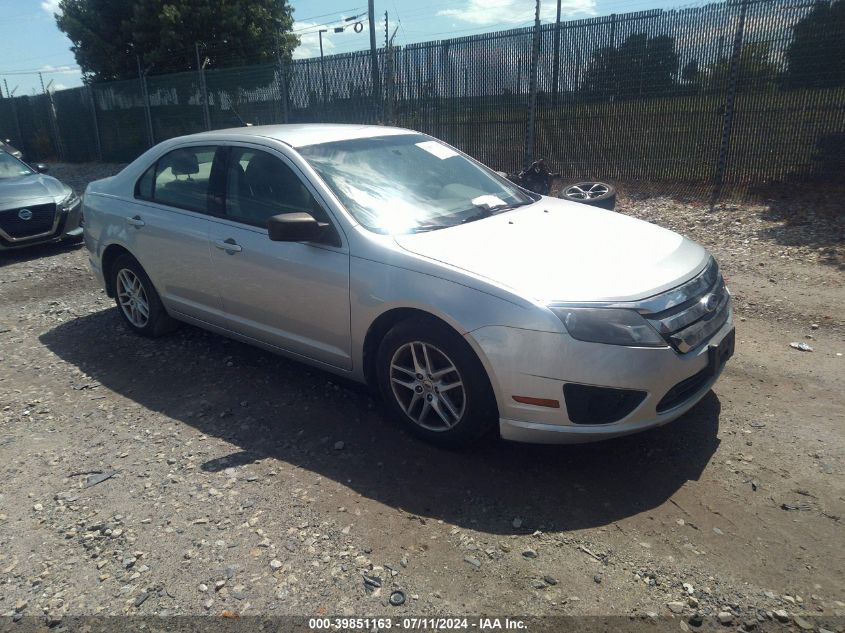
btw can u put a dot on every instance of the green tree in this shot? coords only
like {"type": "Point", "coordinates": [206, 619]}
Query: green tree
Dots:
{"type": "Point", "coordinates": [817, 50]}
{"type": "Point", "coordinates": [108, 34]}
{"type": "Point", "coordinates": [756, 69]}
{"type": "Point", "coordinates": [641, 66]}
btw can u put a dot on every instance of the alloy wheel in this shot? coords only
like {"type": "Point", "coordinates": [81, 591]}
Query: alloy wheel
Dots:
{"type": "Point", "coordinates": [427, 386]}
{"type": "Point", "coordinates": [133, 298]}
{"type": "Point", "coordinates": [584, 192]}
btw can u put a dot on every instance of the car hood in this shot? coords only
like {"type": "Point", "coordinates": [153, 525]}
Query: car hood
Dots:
{"type": "Point", "coordinates": [555, 250]}
{"type": "Point", "coordinates": [34, 189]}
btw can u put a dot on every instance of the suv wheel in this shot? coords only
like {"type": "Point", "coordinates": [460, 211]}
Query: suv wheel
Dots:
{"type": "Point", "coordinates": [137, 299]}
{"type": "Point", "coordinates": [432, 381]}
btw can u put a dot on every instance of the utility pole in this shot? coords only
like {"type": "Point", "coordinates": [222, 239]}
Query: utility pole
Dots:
{"type": "Point", "coordinates": [201, 70]}
{"type": "Point", "coordinates": [371, 12]}
{"type": "Point", "coordinates": [322, 66]}
{"type": "Point", "coordinates": [556, 62]}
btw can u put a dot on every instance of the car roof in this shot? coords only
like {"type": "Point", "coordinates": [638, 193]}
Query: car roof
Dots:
{"type": "Point", "coordinates": [302, 134]}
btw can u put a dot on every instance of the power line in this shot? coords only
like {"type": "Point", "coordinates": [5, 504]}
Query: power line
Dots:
{"type": "Point", "coordinates": [314, 17]}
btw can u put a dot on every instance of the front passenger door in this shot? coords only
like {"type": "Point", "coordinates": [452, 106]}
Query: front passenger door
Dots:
{"type": "Point", "coordinates": [292, 295]}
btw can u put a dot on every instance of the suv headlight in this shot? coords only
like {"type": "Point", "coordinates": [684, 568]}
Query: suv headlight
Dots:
{"type": "Point", "coordinates": [613, 326]}
{"type": "Point", "coordinates": [70, 202]}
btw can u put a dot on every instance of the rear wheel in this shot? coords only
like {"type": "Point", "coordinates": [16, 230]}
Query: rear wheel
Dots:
{"type": "Point", "coordinates": [432, 381]}
{"type": "Point", "coordinates": [137, 299]}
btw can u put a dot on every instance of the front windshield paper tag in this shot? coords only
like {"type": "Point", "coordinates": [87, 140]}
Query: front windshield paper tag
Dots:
{"type": "Point", "coordinates": [436, 149]}
{"type": "Point", "coordinates": [489, 201]}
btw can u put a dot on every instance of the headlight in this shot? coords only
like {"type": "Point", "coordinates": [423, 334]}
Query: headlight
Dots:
{"type": "Point", "coordinates": [609, 325]}
{"type": "Point", "coordinates": [70, 202]}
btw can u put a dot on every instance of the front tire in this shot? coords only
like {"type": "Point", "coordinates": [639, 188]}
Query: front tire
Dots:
{"type": "Point", "coordinates": [137, 300]}
{"type": "Point", "coordinates": [432, 381]}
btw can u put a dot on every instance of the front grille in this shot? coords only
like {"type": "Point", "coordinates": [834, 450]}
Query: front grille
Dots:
{"type": "Point", "coordinates": [16, 227]}
{"type": "Point", "coordinates": [701, 307]}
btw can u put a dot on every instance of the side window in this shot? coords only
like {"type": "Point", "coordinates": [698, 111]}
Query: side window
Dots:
{"type": "Point", "coordinates": [182, 179]}
{"type": "Point", "coordinates": [259, 186]}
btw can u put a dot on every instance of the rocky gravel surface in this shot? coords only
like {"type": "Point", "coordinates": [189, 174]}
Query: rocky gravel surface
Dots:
{"type": "Point", "coordinates": [196, 475]}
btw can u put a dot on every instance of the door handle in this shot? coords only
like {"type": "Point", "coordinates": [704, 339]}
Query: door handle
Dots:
{"type": "Point", "coordinates": [137, 222]}
{"type": "Point", "coordinates": [230, 246]}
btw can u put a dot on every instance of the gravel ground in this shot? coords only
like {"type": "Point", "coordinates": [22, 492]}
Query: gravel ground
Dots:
{"type": "Point", "coordinates": [196, 475]}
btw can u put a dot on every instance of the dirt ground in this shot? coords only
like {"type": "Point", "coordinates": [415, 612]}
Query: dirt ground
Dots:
{"type": "Point", "coordinates": [246, 482]}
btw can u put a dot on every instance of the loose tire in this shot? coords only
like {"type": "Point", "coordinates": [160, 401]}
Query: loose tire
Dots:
{"type": "Point", "coordinates": [137, 300]}
{"type": "Point", "coordinates": [596, 194]}
{"type": "Point", "coordinates": [432, 381]}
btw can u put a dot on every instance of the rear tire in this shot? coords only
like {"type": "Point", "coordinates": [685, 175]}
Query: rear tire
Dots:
{"type": "Point", "coordinates": [137, 300]}
{"type": "Point", "coordinates": [433, 383]}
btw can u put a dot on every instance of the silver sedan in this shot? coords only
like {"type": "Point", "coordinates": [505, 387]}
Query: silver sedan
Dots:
{"type": "Point", "coordinates": [391, 258]}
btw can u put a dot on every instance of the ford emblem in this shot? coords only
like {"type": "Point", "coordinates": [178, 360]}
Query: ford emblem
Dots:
{"type": "Point", "coordinates": [710, 302]}
{"type": "Point", "coordinates": [25, 214]}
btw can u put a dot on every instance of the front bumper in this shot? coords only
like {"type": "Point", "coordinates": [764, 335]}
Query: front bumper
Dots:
{"type": "Point", "coordinates": [539, 364]}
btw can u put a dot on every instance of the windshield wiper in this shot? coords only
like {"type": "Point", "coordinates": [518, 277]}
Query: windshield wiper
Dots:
{"type": "Point", "coordinates": [485, 211]}
{"type": "Point", "coordinates": [422, 228]}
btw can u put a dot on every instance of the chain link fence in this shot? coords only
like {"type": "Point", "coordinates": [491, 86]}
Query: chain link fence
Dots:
{"type": "Point", "coordinates": [739, 92]}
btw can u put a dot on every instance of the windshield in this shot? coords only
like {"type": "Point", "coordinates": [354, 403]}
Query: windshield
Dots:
{"type": "Point", "coordinates": [11, 167]}
{"type": "Point", "coordinates": [410, 182]}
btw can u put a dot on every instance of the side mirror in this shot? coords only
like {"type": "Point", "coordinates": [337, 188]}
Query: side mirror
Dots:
{"type": "Point", "coordinates": [41, 168]}
{"type": "Point", "coordinates": [295, 227]}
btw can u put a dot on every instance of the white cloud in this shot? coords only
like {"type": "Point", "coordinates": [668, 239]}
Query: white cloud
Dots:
{"type": "Point", "coordinates": [487, 12]}
{"type": "Point", "coordinates": [59, 70]}
{"type": "Point", "coordinates": [309, 40]}
{"type": "Point", "coordinates": [51, 6]}
{"type": "Point", "coordinates": [59, 87]}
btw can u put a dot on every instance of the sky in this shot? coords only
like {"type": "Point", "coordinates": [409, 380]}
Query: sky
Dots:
{"type": "Point", "coordinates": [30, 40]}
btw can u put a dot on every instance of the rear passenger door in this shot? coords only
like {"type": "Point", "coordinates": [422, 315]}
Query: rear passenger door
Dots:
{"type": "Point", "coordinates": [292, 295]}
{"type": "Point", "coordinates": [168, 229]}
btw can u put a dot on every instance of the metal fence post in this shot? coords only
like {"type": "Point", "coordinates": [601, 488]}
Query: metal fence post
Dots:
{"type": "Point", "coordinates": [730, 99]}
{"type": "Point", "coordinates": [53, 123]}
{"type": "Point", "coordinates": [142, 77]}
{"type": "Point", "coordinates": [532, 89]}
{"type": "Point", "coordinates": [283, 79]}
{"type": "Point", "coordinates": [9, 96]}
{"type": "Point", "coordinates": [201, 70]}
{"type": "Point", "coordinates": [556, 59]}
{"type": "Point", "coordinates": [93, 103]}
